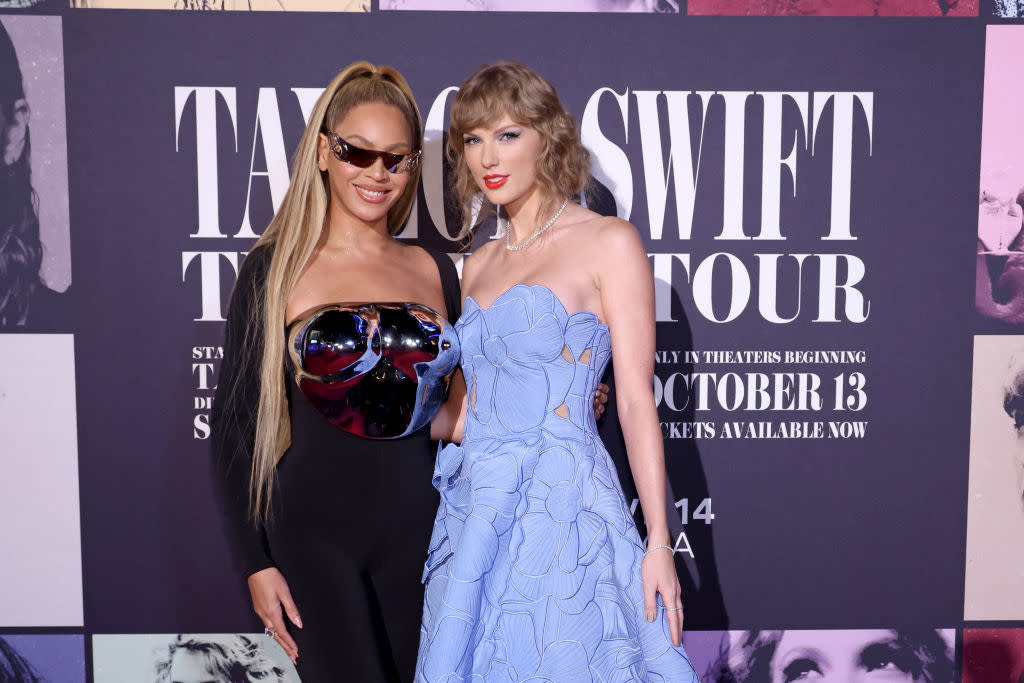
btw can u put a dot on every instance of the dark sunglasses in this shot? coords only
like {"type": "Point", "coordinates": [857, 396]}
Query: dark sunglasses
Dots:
{"type": "Point", "coordinates": [364, 158]}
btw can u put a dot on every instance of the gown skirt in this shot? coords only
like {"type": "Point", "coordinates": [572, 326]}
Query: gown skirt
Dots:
{"type": "Point", "coordinates": [533, 571]}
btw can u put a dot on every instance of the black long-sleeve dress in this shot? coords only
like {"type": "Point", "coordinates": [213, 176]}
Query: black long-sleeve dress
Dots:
{"type": "Point", "coordinates": [350, 518]}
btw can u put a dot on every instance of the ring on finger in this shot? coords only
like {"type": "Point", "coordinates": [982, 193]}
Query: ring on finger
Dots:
{"type": "Point", "coordinates": [673, 609]}
{"type": "Point", "coordinates": [269, 632]}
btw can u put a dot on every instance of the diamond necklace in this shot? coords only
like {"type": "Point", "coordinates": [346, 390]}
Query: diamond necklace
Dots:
{"type": "Point", "coordinates": [531, 238]}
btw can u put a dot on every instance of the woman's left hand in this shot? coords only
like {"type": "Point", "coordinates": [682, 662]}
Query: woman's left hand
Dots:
{"type": "Point", "coordinates": [658, 571]}
{"type": "Point", "coordinates": [600, 398]}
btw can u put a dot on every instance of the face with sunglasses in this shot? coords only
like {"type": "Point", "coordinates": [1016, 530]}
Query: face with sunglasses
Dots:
{"type": "Point", "coordinates": [368, 158]}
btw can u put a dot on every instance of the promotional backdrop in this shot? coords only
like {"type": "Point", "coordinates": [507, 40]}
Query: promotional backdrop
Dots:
{"type": "Point", "coordinates": [808, 191]}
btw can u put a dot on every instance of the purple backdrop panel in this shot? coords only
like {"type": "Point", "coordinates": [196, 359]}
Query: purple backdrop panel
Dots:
{"type": "Point", "coordinates": [657, 6]}
{"type": "Point", "coordinates": [41, 571]}
{"type": "Point", "coordinates": [55, 658]}
{"type": "Point", "coordinates": [230, 5]}
{"type": "Point", "coordinates": [994, 581]}
{"type": "Point", "coordinates": [35, 247]}
{"type": "Point", "coordinates": [705, 649]}
{"type": "Point", "coordinates": [37, 41]}
{"type": "Point", "coordinates": [999, 295]}
{"type": "Point", "coordinates": [834, 655]}
{"type": "Point", "coordinates": [801, 213]}
{"type": "Point", "coordinates": [32, 5]}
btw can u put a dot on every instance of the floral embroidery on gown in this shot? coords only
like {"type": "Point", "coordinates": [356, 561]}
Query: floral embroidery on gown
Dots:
{"type": "Point", "coordinates": [533, 572]}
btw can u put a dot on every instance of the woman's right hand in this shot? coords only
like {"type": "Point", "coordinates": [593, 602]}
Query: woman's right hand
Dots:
{"type": "Point", "coordinates": [269, 592]}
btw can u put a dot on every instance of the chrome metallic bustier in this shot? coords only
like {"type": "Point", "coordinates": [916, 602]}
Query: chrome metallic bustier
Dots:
{"type": "Point", "coordinates": [375, 370]}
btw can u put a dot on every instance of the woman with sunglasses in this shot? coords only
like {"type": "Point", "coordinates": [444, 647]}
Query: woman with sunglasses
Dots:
{"type": "Point", "coordinates": [331, 526]}
{"type": "Point", "coordinates": [536, 570]}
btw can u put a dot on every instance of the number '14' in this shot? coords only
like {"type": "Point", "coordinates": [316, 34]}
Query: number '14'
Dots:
{"type": "Point", "coordinates": [703, 511]}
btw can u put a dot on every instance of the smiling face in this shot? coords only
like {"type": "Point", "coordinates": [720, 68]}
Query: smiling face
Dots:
{"type": "Point", "coordinates": [366, 194]}
{"type": "Point", "coordinates": [503, 160]}
{"type": "Point", "coordinates": [844, 657]}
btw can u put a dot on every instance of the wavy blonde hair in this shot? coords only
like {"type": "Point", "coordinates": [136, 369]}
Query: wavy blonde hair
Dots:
{"type": "Point", "coordinates": [292, 237]}
{"type": "Point", "coordinates": [516, 90]}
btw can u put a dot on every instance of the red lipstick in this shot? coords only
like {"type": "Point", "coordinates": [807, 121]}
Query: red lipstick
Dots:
{"type": "Point", "coordinates": [494, 181]}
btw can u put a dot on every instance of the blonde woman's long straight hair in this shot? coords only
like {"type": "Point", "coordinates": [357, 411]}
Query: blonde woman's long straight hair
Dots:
{"type": "Point", "coordinates": [292, 237]}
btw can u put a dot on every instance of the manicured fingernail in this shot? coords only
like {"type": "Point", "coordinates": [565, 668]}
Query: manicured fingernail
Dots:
{"type": "Point", "coordinates": [297, 621]}
{"type": "Point", "coordinates": [650, 616]}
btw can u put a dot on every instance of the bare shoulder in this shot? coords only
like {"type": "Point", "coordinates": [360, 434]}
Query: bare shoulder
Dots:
{"type": "Point", "coordinates": [617, 253]}
{"type": "Point", "coordinates": [615, 231]}
{"type": "Point", "coordinates": [612, 237]}
{"type": "Point", "coordinates": [597, 226]}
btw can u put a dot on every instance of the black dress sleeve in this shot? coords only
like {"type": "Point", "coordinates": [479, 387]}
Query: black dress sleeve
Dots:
{"type": "Point", "coordinates": [233, 417]}
{"type": "Point", "coordinates": [450, 286]}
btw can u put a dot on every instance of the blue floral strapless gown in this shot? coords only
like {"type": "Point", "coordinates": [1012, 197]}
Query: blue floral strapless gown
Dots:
{"type": "Point", "coordinates": [533, 572]}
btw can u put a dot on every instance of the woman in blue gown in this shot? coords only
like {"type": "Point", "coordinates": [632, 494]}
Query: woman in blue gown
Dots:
{"type": "Point", "coordinates": [536, 570]}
